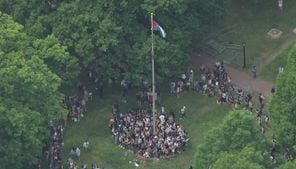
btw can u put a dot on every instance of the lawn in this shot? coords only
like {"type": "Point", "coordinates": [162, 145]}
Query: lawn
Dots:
{"type": "Point", "coordinates": [203, 114]}
{"type": "Point", "coordinates": [270, 71]}
{"type": "Point", "coordinates": [246, 23]}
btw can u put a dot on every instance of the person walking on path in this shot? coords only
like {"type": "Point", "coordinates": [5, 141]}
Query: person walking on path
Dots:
{"type": "Point", "coordinates": [254, 72]}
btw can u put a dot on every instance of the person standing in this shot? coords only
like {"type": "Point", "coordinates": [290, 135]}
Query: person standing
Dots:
{"type": "Point", "coordinates": [191, 77]}
{"type": "Point", "coordinates": [173, 87]}
{"type": "Point", "coordinates": [281, 69]}
{"type": "Point", "coordinates": [183, 111]}
{"type": "Point", "coordinates": [183, 77]}
{"type": "Point", "coordinates": [254, 72]}
{"type": "Point", "coordinates": [261, 98]}
{"type": "Point", "coordinates": [124, 87]}
{"type": "Point", "coordinates": [178, 90]}
{"type": "Point", "coordinates": [162, 110]}
{"type": "Point", "coordinates": [280, 4]}
{"type": "Point", "coordinates": [78, 153]}
{"type": "Point", "coordinates": [86, 145]}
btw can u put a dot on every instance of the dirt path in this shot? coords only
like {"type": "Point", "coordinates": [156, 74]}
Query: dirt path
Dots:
{"type": "Point", "coordinates": [238, 78]}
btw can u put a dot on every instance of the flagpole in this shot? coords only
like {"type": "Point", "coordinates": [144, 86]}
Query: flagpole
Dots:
{"type": "Point", "coordinates": [153, 78]}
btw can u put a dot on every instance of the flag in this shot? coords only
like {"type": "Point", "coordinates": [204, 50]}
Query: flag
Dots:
{"type": "Point", "coordinates": [156, 26]}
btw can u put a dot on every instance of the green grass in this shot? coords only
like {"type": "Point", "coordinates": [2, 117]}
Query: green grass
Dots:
{"type": "Point", "coordinates": [203, 114]}
{"type": "Point", "coordinates": [244, 23]}
{"type": "Point", "coordinates": [251, 23]}
{"type": "Point", "coordinates": [270, 71]}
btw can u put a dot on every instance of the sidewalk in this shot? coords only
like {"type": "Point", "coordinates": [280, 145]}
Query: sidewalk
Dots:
{"type": "Point", "coordinates": [238, 78]}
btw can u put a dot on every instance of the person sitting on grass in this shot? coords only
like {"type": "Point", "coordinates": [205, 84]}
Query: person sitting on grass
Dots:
{"type": "Point", "coordinates": [134, 131]}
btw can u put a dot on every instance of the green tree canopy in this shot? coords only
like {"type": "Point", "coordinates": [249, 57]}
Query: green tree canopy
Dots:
{"type": "Point", "coordinates": [49, 50]}
{"type": "Point", "coordinates": [247, 158]}
{"type": "Point", "coordinates": [288, 165]}
{"type": "Point", "coordinates": [113, 37]}
{"type": "Point", "coordinates": [238, 130]}
{"type": "Point", "coordinates": [21, 136]}
{"type": "Point", "coordinates": [282, 107]}
{"type": "Point", "coordinates": [29, 96]}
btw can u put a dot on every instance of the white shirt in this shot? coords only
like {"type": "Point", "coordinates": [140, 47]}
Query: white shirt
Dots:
{"type": "Point", "coordinates": [78, 152]}
{"type": "Point", "coordinates": [162, 109]}
{"type": "Point", "coordinates": [280, 3]}
{"type": "Point", "coordinates": [122, 83]}
{"type": "Point", "coordinates": [161, 117]}
{"type": "Point", "coordinates": [86, 144]}
{"type": "Point", "coordinates": [183, 110]}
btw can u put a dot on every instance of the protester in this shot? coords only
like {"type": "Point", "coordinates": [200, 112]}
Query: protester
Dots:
{"type": "Point", "coordinates": [183, 111]}
{"type": "Point", "coordinates": [124, 87]}
{"type": "Point", "coordinates": [85, 145]}
{"type": "Point", "coordinates": [281, 69]}
{"type": "Point", "coordinates": [77, 151]}
{"type": "Point", "coordinates": [134, 131]}
{"type": "Point", "coordinates": [54, 146]}
{"type": "Point", "coordinates": [254, 72]}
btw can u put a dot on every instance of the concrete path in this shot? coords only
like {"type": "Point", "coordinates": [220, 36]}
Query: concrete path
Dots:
{"type": "Point", "coordinates": [238, 78]}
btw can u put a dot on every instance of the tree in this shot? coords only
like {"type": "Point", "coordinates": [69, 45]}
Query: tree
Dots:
{"type": "Point", "coordinates": [29, 96]}
{"type": "Point", "coordinates": [112, 38]}
{"type": "Point", "coordinates": [288, 165]}
{"type": "Point", "coordinates": [57, 58]}
{"type": "Point", "coordinates": [283, 104]}
{"type": "Point", "coordinates": [49, 50]}
{"type": "Point", "coordinates": [21, 136]}
{"type": "Point", "coordinates": [247, 158]}
{"type": "Point", "coordinates": [238, 130]}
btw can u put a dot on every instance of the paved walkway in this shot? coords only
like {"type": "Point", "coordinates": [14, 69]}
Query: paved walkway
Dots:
{"type": "Point", "coordinates": [239, 78]}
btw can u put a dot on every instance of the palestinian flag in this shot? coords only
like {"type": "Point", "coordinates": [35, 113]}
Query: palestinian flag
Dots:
{"type": "Point", "coordinates": [157, 27]}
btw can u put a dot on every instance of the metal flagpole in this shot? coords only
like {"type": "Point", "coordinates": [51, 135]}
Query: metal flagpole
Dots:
{"type": "Point", "coordinates": [153, 78]}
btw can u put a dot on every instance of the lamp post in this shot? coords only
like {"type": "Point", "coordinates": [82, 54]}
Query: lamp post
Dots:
{"type": "Point", "coordinates": [244, 54]}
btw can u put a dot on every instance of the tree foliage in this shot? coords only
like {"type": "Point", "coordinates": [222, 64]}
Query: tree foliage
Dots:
{"type": "Point", "coordinates": [113, 37]}
{"type": "Point", "coordinates": [238, 130]}
{"type": "Point", "coordinates": [283, 104]}
{"type": "Point", "coordinates": [49, 50]}
{"type": "Point", "coordinates": [30, 95]}
{"type": "Point", "coordinates": [247, 158]}
{"type": "Point", "coordinates": [21, 136]}
{"type": "Point", "coordinates": [288, 165]}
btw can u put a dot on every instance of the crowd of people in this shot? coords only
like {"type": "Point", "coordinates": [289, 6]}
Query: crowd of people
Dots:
{"type": "Point", "coordinates": [75, 154]}
{"type": "Point", "coordinates": [53, 148]}
{"type": "Point", "coordinates": [216, 82]}
{"type": "Point", "coordinates": [134, 130]}
{"type": "Point", "coordinates": [76, 105]}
